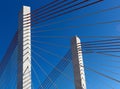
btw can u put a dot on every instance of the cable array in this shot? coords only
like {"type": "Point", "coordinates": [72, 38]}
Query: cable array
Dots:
{"type": "Point", "coordinates": [56, 9]}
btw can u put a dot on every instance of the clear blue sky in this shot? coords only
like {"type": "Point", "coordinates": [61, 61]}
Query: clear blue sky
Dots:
{"type": "Point", "coordinates": [9, 22]}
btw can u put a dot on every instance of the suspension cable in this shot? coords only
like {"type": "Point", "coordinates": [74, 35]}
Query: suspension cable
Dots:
{"type": "Point", "coordinates": [41, 8]}
{"type": "Point", "coordinates": [37, 77]}
{"type": "Point", "coordinates": [53, 66]}
{"type": "Point", "coordinates": [80, 25]}
{"type": "Point", "coordinates": [61, 10]}
{"type": "Point", "coordinates": [83, 16]}
{"type": "Point", "coordinates": [106, 76]}
{"type": "Point", "coordinates": [55, 86]}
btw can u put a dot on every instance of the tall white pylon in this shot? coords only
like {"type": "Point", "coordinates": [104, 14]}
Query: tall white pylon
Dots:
{"type": "Point", "coordinates": [78, 65]}
{"type": "Point", "coordinates": [24, 52]}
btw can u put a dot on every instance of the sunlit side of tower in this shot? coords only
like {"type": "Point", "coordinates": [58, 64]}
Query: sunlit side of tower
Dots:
{"type": "Point", "coordinates": [78, 65]}
{"type": "Point", "coordinates": [24, 49]}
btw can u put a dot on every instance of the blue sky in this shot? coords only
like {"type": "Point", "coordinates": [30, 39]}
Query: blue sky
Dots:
{"type": "Point", "coordinates": [9, 22]}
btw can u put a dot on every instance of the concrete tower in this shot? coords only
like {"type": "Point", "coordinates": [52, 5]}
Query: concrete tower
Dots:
{"type": "Point", "coordinates": [24, 52]}
{"type": "Point", "coordinates": [78, 66]}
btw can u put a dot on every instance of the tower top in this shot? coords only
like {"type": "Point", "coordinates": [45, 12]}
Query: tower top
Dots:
{"type": "Point", "coordinates": [26, 6]}
{"type": "Point", "coordinates": [76, 38]}
{"type": "Point", "coordinates": [26, 10]}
